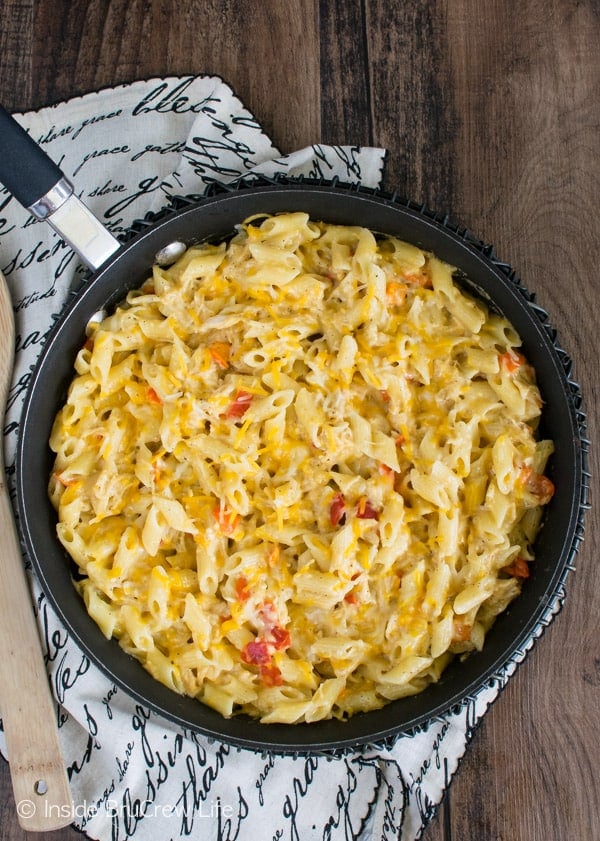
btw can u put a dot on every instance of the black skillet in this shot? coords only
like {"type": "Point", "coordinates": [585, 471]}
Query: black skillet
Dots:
{"type": "Point", "coordinates": [214, 217]}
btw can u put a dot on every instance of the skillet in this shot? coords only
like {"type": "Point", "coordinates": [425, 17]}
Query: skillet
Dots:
{"type": "Point", "coordinates": [120, 267]}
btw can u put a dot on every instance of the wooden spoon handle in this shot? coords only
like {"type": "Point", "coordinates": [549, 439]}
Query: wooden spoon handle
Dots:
{"type": "Point", "coordinates": [37, 769]}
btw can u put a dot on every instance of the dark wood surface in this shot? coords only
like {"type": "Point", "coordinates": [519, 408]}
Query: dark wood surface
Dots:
{"type": "Point", "coordinates": [490, 111]}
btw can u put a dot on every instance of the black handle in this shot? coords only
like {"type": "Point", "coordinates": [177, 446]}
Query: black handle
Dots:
{"type": "Point", "coordinates": [25, 170]}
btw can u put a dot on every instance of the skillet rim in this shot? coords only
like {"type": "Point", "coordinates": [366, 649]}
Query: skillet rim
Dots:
{"type": "Point", "coordinates": [329, 735]}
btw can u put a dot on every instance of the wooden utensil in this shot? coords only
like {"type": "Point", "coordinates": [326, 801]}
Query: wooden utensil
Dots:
{"type": "Point", "coordinates": [37, 769]}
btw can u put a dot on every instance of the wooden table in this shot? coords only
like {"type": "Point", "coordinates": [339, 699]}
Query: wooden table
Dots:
{"type": "Point", "coordinates": [489, 110]}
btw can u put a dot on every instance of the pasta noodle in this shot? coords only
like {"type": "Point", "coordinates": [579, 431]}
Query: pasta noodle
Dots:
{"type": "Point", "coordinates": [298, 471]}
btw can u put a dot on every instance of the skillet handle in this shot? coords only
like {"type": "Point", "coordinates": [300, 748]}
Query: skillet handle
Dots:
{"type": "Point", "coordinates": [25, 169]}
{"type": "Point", "coordinates": [39, 185]}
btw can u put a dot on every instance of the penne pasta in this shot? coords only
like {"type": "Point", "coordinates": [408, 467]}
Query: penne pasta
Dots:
{"type": "Point", "coordinates": [298, 471]}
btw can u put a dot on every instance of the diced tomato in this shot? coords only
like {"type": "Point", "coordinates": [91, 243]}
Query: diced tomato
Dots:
{"type": "Point", "coordinates": [337, 510]}
{"type": "Point", "coordinates": [241, 589]}
{"type": "Point", "coordinates": [519, 568]}
{"type": "Point", "coordinates": [538, 485]}
{"type": "Point", "coordinates": [256, 653]}
{"type": "Point", "coordinates": [239, 405]}
{"type": "Point", "coordinates": [270, 675]}
{"type": "Point", "coordinates": [226, 519]}
{"type": "Point", "coordinates": [219, 352]}
{"type": "Point", "coordinates": [153, 397]}
{"type": "Point", "coordinates": [351, 597]}
{"type": "Point", "coordinates": [365, 510]}
{"type": "Point", "coordinates": [511, 361]}
{"type": "Point", "coordinates": [280, 638]}
{"type": "Point", "coordinates": [461, 631]}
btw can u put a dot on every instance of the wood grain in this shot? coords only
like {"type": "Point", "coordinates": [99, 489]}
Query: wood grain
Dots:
{"type": "Point", "coordinates": [489, 111]}
{"type": "Point", "coordinates": [15, 62]}
{"type": "Point", "coordinates": [345, 87]}
{"type": "Point", "coordinates": [527, 168]}
{"type": "Point", "coordinates": [411, 109]}
{"type": "Point", "coordinates": [257, 48]}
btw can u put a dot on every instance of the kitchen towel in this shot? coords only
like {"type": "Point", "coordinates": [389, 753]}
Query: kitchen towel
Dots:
{"type": "Point", "coordinates": [133, 774]}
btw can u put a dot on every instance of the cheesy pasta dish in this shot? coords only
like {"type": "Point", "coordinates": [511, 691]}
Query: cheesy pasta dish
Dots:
{"type": "Point", "coordinates": [298, 470]}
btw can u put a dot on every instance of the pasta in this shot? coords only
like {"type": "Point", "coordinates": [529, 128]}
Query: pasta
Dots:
{"type": "Point", "coordinates": [298, 471]}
